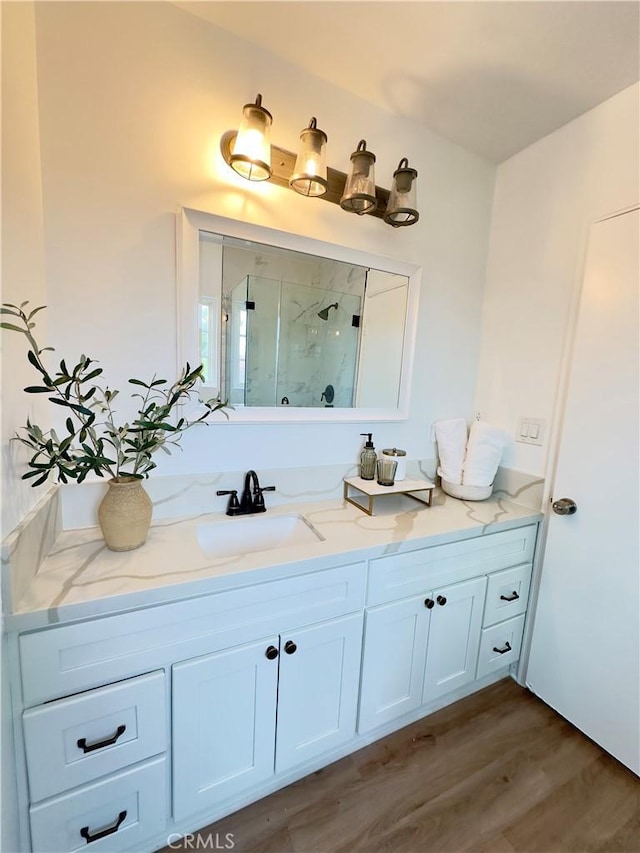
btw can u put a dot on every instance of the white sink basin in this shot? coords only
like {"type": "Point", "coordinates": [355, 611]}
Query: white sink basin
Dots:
{"type": "Point", "coordinates": [246, 535]}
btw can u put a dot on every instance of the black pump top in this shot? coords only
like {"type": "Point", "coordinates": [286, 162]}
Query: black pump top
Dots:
{"type": "Point", "coordinates": [369, 442]}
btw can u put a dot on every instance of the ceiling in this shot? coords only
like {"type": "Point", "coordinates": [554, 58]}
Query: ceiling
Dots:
{"type": "Point", "coordinates": [491, 76]}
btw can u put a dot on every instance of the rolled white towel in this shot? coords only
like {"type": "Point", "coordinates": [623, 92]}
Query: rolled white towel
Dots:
{"type": "Point", "coordinates": [484, 452]}
{"type": "Point", "coordinates": [451, 436]}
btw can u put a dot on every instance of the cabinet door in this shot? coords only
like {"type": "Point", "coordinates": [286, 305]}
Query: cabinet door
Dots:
{"type": "Point", "coordinates": [318, 690]}
{"type": "Point", "coordinates": [224, 719]}
{"type": "Point", "coordinates": [395, 644]}
{"type": "Point", "coordinates": [454, 638]}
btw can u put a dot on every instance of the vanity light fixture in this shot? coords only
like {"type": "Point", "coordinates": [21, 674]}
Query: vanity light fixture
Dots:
{"type": "Point", "coordinates": [359, 194]}
{"type": "Point", "coordinates": [310, 173]}
{"type": "Point", "coordinates": [251, 153]}
{"type": "Point", "coordinates": [401, 207]}
{"type": "Point", "coordinates": [248, 151]}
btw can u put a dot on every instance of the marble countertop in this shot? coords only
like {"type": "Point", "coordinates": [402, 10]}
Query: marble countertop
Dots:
{"type": "Point", "coordinates": [81, 578]}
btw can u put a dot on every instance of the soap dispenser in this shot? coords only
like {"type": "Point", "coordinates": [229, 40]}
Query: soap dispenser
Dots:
{"type": "Point", "coordinates": [368, 458]}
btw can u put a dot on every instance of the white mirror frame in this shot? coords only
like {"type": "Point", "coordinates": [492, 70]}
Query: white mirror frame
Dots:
{"type": "Point", "coordinates": [189, 225]}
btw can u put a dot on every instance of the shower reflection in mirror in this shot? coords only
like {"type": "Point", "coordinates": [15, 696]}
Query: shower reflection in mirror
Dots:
{"type": "Point", "coordinates": [294, 326]}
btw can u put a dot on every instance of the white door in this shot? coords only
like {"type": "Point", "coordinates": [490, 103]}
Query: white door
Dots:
{"type": "Point", "coordinates": [454, 638]}
{"type": "Point", "coordinates": [224, 724]}
{"type": "Point", "coordinates": [585, 649]}
{"type": "Point", "coordinates": [395, 647]}
{"type": "Point", "coordinates": [318, 689]}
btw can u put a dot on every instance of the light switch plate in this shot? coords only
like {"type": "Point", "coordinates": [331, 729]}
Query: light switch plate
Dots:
{"type": "Point", "coordinates": [530, 430]}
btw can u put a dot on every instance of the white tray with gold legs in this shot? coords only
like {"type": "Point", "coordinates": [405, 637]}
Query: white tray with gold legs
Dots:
{"type": "Point", "coordinates": [419, 489]}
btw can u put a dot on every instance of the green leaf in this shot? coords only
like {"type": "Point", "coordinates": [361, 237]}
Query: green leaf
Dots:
{"type": "Point", "coordinates": [70, 426]}
{"type": "Point", "coordinates": [12, 327]}
{"type": "Point", "coordinates": [37, 389]}
{"type": "Point", "coordinates": [35, 311]}
{"type": "Point", "coordinates": [138, 382]}
{"type": "Point", "coordinates": [40, 480]}
{"type": "Point", "coordinates": [81, 409]}
{"type": "Point", "coordinates": [30, 474]}
{"type": "Point", "coordinates": [65, 444]}
{"type": "Point", "coordinates": [92, 375]}
{"type": "Point", "coordinates": [34, 361]}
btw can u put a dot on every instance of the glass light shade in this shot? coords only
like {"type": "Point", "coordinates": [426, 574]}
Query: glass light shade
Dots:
{"type": "Point", "coordinates": [251, 153]}
{"type": "Point", "coordinates": [359, 194]}
{"type": "Point", "coordinates": [401, 207]}
{"type": "Point", "coordinates": [310, 173]}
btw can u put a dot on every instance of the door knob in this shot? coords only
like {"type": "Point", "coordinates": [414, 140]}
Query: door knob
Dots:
{"type": "Point", "coordinates": [564, 506]}
{"type": "Point", "coordinates": [271, 652]}
{"type": "Point", "coordinates": [442, 600]}
{"type": "Point", "coordinates": [290, 647]}
{"type": "Point", "coordinates": [428, 603]}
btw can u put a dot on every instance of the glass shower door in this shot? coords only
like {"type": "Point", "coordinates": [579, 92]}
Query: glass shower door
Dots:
{"type": "Point", "coordinates": [317, 358]}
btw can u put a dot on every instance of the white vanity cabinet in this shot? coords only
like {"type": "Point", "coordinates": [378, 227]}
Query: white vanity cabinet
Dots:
{"type": "Point", "coordinates": [152, 722]}
{"type": "Point", "coordinates": [134, 722]}
{"type": "Point", "coordinates": [454, 637]}
{"type": "Point", "coordinates": [97, 767]}
{"type": "Point", "coordinates": [419, 649]}
{"type": "Point", "coordinates": [422, 647]}
{"type": "Point", "coordinates": [225, 736]}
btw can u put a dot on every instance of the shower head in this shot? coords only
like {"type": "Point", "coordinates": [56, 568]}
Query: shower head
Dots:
{"type": "Point", "coordinates": [324, 314]}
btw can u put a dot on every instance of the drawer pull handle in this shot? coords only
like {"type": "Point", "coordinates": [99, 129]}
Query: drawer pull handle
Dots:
{"type": "Point", "coordinates": [271, 652]}
{"type": "Point", "coordinates": [102, 833]}
{"type": "Point", "coordinates": [290, 647]}
{"type": "Point", "coordinates": [442, 600]}
{"type": "Point", "coordinates": [507, 648]}
{"type": "Point", "coordinates": [98, 744]}
{"type": "Point", "coordinates": [428, 603]}
{"type": "Point", "coordinates": [513, 597]}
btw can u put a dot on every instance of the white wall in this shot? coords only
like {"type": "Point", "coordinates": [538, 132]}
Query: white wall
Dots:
{"type": "Point", "coordinates": [133, 100]}
{"type": "Point", "coordinates": [545, 199]}
{"type": "Point", "coordinates": [22, 278]}
{"type": "Point", "coordinates": [22, 243]}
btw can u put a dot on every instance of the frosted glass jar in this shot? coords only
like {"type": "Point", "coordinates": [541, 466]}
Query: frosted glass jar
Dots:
{"type": "Point", "coordinates": [400, 457]}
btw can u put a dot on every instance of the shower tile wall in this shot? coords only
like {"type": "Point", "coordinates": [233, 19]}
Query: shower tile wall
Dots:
{"type": "Point", "coordinates": [315, 353]}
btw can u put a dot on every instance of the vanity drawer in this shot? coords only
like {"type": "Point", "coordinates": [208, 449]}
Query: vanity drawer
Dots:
{"type": "Point", "coordinates": [500, 645]}
{"type": "Point", "coordinates": [403, 575]}
{"type": "Point", "coordinates": [80, 738]}
{"type": "Point", "coordinates": [71, 658]}
{"type": "Point", "coordinates": [118, 813]}
{"type": "Point", "coordinates": [507, 594]}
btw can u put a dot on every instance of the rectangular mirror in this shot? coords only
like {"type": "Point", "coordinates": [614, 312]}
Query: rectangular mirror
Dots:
{"type": "Point", "coordinates": [292, 329]}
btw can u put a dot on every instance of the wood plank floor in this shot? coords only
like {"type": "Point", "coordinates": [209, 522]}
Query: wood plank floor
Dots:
{"type": "Point", "coordinates": [494, 773]}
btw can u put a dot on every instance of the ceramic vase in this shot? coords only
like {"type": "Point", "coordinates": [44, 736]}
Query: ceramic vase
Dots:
{"type": "Point", "coordinates": [125, 514]}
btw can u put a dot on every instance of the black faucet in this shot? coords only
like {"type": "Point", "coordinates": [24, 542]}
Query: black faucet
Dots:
{"type": "Point", "coordinates": [251, 502]}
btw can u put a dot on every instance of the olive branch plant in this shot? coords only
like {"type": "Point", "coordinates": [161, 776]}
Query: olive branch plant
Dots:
{"type": "Point", "coordinates": [94, 442]}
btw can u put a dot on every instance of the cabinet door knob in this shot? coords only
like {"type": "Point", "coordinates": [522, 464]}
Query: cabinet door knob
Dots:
{"type": "Point", "coordinates": [272, 653]}
{"type": "Point", "coordinates": [98, 744]}
{"type": "Point", "coordinates": [507, 648]}
{"type": "Point", "coordinates": [85, 832]}
{"type": "Point", "coordinates": [441, 600]}
{"type": "Point", "coordinates": [290, 647]}
{"type": "Point", "coordinates": [513, 597]}
{"type": "Point", "coordinates": [428, 603]}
